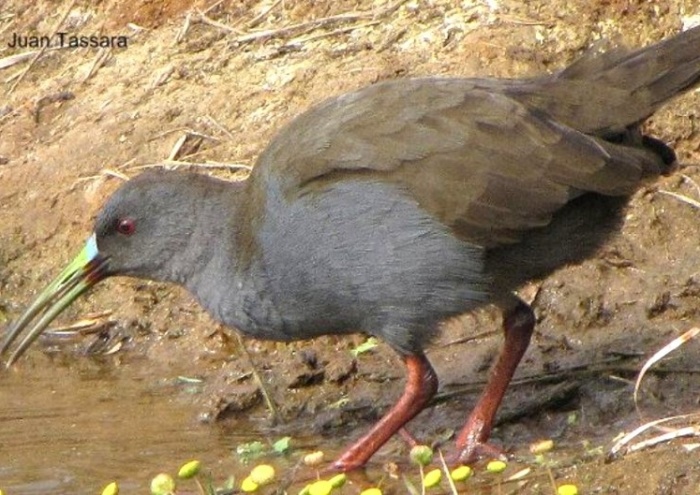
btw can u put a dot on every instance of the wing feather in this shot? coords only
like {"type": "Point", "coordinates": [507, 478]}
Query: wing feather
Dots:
{"type": "Point", "coordinates": [484, 164]}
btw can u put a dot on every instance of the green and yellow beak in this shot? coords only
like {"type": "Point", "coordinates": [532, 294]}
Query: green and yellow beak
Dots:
{"type": "Point", "coordinates": [83, 272]}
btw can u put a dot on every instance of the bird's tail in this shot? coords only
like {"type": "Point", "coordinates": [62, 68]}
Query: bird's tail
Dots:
{"type": "Point", "coordinates": [658, 72]}
{"type": "Point", "coordinates": [606, 93]}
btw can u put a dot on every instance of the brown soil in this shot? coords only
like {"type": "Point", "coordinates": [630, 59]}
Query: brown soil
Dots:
{"type": "Point", "coordinates": [78, 117]}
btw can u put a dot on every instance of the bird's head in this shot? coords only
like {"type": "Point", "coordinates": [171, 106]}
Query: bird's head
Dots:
{"type": "Point", "coordinates": [142, 231]}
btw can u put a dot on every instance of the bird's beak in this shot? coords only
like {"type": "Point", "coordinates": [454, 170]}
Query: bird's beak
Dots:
{"type": "Point", "coordinates": [83, 272]}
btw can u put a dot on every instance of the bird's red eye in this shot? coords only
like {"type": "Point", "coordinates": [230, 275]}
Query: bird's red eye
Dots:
{"type": "Point", "coordinates": [126, 226]}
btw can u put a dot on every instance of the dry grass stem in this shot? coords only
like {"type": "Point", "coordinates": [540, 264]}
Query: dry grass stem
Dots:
{"type": "Point", "coordinates": [657, 356]}
{"type": "Point", "coordinates": [17, 58]}
{"type": "Point", "coordinates": [220, 127]}
{"type": "Point", "coordinates": [326, 22]}
{"type": "Point", "coordinates": [162, 77]}
{"type": "Point", "coordinates": [262, 15]}
{"type": "Point", "coordinates": [681, 197]}
{"type": "Point", "coordinates": [174, 164]}
{"type": "Point", "coordinates": [7, 26]}
{"type": "Point", "coordinates": [182, 33]}
{"type": "Point", "coordinates": [689, 180]}
{"type": "Point", "coordinates": [103, 55]}
{"type": "Point", "coordinates": [212, 6]}
{"type": "Point", "coordinates": [43, 49]}
{"type": "Point", "coordinates": [263, 388]}
{"type": "Point", "coordinates": [621, 446]}
{"type": "Point", "coordinates": [105, 172]}
{"type": "Point", "coordinates": [86, 325]}
{"type": "Point", "coordinates": [335, 32]}
{"type": "Point", "coordinates": [220, 25]}
{"type": "Point", "coordinates": [446, 472]}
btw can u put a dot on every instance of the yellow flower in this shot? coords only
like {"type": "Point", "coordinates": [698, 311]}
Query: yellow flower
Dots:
{"type": "Point", "coordinates": [189, 470]}
{"type": "Point", "coordinates": [567, 490]}
{"type": "Point", "coordinates": [461, 473]}
{"type": "Point", "coordinates": [262, 474]}
{"type": "Point", "coordinates": [111, 489]}
{"type": "Point", "coordinates": [248, 485]}
{"type": "Point", "coordinates": [162, 484]}
{"type": "Point", "coordinates": [320, 487]}
{"type": "Point", "coordinates": [432, 478]}
{"type": "Point", "coordinates": [496, 466]}
{"type": "Point", "coordinates": [338, 480]}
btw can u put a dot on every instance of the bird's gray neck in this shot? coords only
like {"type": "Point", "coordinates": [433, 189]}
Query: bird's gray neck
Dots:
{"type": "Point", "coordinates": [223, 272]}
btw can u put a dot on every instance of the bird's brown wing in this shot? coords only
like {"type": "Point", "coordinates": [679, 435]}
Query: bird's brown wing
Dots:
{"type": "Point", "coordinates": [484, 164]}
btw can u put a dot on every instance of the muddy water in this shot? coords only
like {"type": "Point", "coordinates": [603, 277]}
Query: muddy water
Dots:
{"type": "Point", "coordinates": [73, 428]}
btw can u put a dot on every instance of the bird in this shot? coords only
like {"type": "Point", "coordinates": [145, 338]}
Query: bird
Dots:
{"type": "Point", "coordinates": [393, 208]}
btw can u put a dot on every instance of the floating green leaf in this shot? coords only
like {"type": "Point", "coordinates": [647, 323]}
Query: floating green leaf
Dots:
{"type": "Point", "coordinates": [250, 450]}
{"type": "Point", "coordinates": [282, 445]}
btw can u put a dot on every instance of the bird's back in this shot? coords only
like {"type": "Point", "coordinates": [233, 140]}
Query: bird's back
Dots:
{"type": "Point", "coordinates": [527, 174]}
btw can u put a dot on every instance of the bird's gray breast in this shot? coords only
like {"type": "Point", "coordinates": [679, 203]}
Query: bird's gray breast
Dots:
{"type": "Point", "coordinates": [359, 255]}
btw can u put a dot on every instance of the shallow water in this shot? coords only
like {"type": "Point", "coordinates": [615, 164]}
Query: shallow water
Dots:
{"type": "Point", "coordinates": [73, 428]}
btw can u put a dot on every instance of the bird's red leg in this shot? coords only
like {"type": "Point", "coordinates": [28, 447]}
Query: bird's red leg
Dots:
{"type": "Point", "coordinates": [518, 323]}
{"type": "Point", "coordinates": [421, 385]}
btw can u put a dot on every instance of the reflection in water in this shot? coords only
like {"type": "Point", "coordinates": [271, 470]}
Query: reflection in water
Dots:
{"type": "Point", "coordinates": [73, 427]}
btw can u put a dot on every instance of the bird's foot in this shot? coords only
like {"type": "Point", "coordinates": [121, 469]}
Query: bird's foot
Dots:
{"type": "Point", "coordinates": [475, 451]}
{"type": "Point", "coordinates": [344, 464]}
